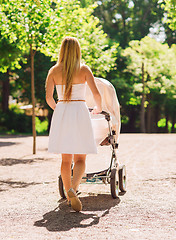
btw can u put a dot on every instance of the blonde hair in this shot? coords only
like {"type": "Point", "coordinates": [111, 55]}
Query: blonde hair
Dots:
{"type": "Point", "coordinates": [70, 57]}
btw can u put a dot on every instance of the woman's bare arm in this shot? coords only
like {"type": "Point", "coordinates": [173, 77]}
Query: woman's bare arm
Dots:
{"type": "Point", "coordinates": [49, 87]}
{"type": "Point", "coordinates": [96, 94]}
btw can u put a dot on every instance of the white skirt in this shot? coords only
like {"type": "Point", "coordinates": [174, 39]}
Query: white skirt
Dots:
{"type": "Point", "coordinates": [71, 129]}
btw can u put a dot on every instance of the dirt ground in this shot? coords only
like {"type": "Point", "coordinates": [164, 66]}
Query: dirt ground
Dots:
{"type": "Point", "coordinates": [31, 208]}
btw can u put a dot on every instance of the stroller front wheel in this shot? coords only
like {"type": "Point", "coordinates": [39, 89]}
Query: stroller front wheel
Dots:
{"type": "Point", "coordinates": [122, 178]}
{"type": "Point", "coordinates": [114, 183]}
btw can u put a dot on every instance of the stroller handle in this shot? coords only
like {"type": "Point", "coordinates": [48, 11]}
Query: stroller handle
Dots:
{"type": "Point", "coordinates": [102, 112]}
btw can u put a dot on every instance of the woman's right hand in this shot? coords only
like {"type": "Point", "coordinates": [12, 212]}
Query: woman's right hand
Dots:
{"type": "Point", "coordinates": [96, 110]}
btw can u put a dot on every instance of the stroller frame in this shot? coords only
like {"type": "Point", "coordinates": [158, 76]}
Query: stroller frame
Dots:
{"type": "Point", "coordinates": [115, 175]}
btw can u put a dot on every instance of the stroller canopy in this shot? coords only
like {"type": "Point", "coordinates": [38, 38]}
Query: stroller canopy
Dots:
{"type": "Point", "coordinates": [110, 103]}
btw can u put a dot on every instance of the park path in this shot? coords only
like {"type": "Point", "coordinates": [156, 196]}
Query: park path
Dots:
{"type": "Point", "coordinates": [31, 209]}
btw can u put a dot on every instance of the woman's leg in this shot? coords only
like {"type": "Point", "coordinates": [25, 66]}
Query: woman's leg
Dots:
{"type": "Point", "coordinates": [78, 170]}
{"type": "Point", "coordinates": [66, 170]}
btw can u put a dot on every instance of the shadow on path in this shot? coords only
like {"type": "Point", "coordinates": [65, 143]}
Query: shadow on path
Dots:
{"type": "Point", "coordinates": [15, 184]}
{"type": "Point", "coordinates": [15, 136]}
{"type": "Point", "coordinates": [63, 218]}
{"type": "Point", "coordinates": [13, 161]}
{"type": "Point", "coordinates": [170, 179]}
{"type": "Point", "coordinates": [5, 144]}
{"type": "Point", "coordinates": [160, 179]}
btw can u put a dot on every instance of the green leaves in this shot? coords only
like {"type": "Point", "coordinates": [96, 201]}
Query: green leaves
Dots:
{"type": "Point", "coordinates": [79, 22]}
{"type": "Point", "coordinates": [158, 62]}
{"type": "Point", "coordinates": [43, 24]}
{"type": "Point", "coordinates": [159, 82]}
{"type": "Point", "coordinates": [10, 55]}
{"type": "Point", "coordinates": [170, 8]}
{"type": "Point", "coordinates": [126, 20]}
{"type": "Point", "coordinates": [24, 22]}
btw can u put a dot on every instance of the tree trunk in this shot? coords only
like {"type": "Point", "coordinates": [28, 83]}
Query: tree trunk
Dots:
{"type": "Point", "coordinates": [33, 99]}
{"type": "Point", "coordinates": [142, 113]}
{"type": "Point", "coordinates": [5, 92]}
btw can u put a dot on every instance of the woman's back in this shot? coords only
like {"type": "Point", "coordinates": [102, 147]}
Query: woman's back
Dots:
{"type": "Point", "coordinates": [78, 78]}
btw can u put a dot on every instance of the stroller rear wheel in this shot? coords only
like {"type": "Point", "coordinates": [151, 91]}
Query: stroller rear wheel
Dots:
{"type": "Point", "coordinates": [61, 187]}
{"type": "Point", "coordinates": [114, 183]}
{"type": "Point", "coordinates": [122, 178]}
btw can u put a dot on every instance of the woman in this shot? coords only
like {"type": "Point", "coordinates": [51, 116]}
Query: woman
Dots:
{"type": "Point", "coordinates": [71, 132]}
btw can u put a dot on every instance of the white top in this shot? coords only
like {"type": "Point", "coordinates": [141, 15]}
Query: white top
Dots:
{"type": "Point", "coordinates": [78, 91]}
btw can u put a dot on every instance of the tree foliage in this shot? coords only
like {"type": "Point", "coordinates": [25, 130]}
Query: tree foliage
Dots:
{"type": "Point", "coordinates": [72, 20]}
{"type": "Point", "coordinates": [158, 60]}
{"type": "Point", "coordinates": [126, 20]}
{"type": "Point", "coordinates": [170, 8]}
{"type": "Point", "coordinates": [10, 55]}
{"type": "Point", "coordinates": [43, 24]}
{"type": "Point", "coordinates": [158, 64]}
{"type": "Point", "coordinates": [25, 22]}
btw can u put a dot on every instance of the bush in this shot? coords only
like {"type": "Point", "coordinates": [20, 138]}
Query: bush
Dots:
{"type": "Point", "coordinates": [41, 126]}
{"type": "Point", "coordinates": [15, 121]}
{"type": "Point", "coordinates": [162, 123]}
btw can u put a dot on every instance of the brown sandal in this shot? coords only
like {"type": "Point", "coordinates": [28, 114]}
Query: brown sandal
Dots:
{"type": "Point", "coordinates": [75, 202]}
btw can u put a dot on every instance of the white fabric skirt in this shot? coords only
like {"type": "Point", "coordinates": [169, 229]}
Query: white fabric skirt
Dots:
{"type": "Point", "coordinates": [71, 129]}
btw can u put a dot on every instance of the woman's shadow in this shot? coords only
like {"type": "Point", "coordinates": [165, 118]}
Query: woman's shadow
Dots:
{"type": "Point", "coordinates": [63, 218]}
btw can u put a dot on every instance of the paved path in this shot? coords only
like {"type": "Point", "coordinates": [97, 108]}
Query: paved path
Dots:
{"type": "Point", "coordinates": [31, 209]}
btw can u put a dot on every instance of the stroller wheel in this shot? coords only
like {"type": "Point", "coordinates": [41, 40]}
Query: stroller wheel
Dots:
{"type": "Point", "coordinates": [61, 187]}
{"type": "Point", "coordinates": [122, 178]}
{"type": "Point", "coordinates": [114, 183]}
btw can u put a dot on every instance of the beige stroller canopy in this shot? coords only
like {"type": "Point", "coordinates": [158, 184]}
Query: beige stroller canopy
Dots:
{"type": "Point", "coordinates": [110, 104]}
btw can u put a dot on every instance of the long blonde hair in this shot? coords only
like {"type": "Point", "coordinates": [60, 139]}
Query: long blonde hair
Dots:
{"type": "Point", "coordinates": [70, 57]}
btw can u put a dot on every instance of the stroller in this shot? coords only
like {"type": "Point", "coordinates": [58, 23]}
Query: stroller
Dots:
{"type": "Point", "coordinates": [106, 127]}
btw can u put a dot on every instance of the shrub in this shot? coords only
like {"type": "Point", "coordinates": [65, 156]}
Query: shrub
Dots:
{"type": "Point", "coordinates": [41, 126]}
{"type": "Point", "coordinates": [15, 121]}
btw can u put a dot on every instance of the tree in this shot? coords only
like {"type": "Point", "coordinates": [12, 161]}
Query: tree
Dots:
{"type": "Point", "coordinates": [79, 22]}
{"type": "Point", "coordinates": [153, 67]}
{"type": "Point", "coordinates": [25, 23]}
{"type": "Point", "coordinates": [127, 20]}
{"type": "Point", "coordinates": [10, 55]}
